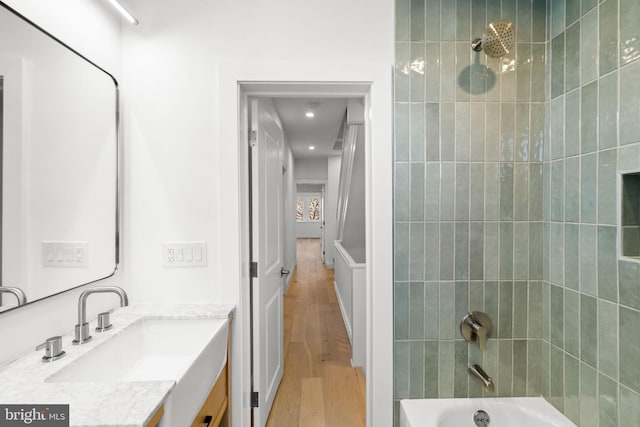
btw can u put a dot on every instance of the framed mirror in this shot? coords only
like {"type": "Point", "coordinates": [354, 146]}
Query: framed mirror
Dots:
{"type": "Point", "coordinates": [59, 145]}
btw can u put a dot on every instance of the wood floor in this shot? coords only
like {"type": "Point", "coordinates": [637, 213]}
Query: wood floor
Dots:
{"type": "Point", "coordinates": [319, 387]}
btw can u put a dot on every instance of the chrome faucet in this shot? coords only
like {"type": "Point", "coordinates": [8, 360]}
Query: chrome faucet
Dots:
{"type": "Point", "coordinates": [476, 326]}
{"type": "Point", "coordinates": [19, 293]}
{"type": "Point", "coordinates": [82, 328]}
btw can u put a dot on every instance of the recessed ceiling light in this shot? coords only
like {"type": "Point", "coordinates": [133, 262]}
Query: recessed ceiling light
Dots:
{"type": "Point", "coordinates": [311, 147]}
{"type": "Point", "coordinates": [124, 12]}
{"type": "Point", "coordinates": [309, 114]}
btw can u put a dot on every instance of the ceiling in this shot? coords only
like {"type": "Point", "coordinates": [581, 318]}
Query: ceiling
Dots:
{"type": "Point", "coordinates": [320, 131]}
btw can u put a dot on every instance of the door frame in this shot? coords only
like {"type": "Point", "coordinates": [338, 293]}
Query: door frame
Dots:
{"type": "Point", "coordinates": [373, 82]}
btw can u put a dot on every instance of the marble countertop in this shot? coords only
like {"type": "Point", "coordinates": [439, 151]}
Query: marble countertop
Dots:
{"type": "Point", "coordinates": [116, 404]}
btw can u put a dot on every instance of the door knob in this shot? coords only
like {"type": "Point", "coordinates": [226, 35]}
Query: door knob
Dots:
{"type": "Point", "coordinates": [284, 272]}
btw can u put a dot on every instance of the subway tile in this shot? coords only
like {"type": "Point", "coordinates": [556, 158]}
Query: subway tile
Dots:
{"type": "Point", "coordinates": [463, 20]}
{"type": "Point", "coordinates": [505, 307]}
{"type": "Point", "coordinates": [588, 259]}
{"type": "Point", "coordinates": [491, 254]}
{"type": "Point", "coordinates": [629, 342]}
{"type": "Point", "coordinates": [587, 5]}
{"type": "Point", "coordinates": [519, 368]}
{"type": "Point", "coordinates": [460, 373]}
{"type": "Point", "coordinates": [447, 131]}
{"type": "Point", "coordinates": [608, 110]}
{"type": "Point", "coordinates": [401, 370]}
{"type": "Point", "coordinates": [546, 311]}
{"type": "Point", "coordinates": [491, 302]}
{"type": "Point", "coordinates": [402, 134]}
{"type": "Point", "coordinates": [520, 307]}
{"type": "Point", "coordinates": [572, 123]}
{"type": "Point", "coordinates": [402, 199]}
{"type": "Point", "coordinates": [447, 190]}
{"type": "Point", "coordinates": [506, 250]}
{"type": "Point", "coordinates": [572, 190]}
{"type": "Point", "coordinates": [545, 360]}
{"type": "Point", "coordinates": [463, 72]}
{"type": "Point", "coordinates": [588, 188]}
{"type": "Point", "coordinates": [572, 388]}
{"type": "Point", "coordinates": [417, 31]}
{"type": "Point", "coordinates": [432, 72]}
{"type": "Point", "coordinates": [402, 71]}
{"type": "Point", "coordinates": [556, 253]}
{"type": "Point", "coordinates": [417, 191]}
{"type": "Point", "coordinates": [461, 301]}
{"type": "Point", "coordinates": [521, 251]}
{"type": "Point", "coordinates": [432, 132]}
{"type": "Point", "coordinates": [607, 263]}
{"type": "Point", "coordinates": [572, 256]}
{"type": "Point", "coordinates": [534, 368]}
{"type": "Point", "coordinates": [535, 310]}
{"type": "Point", "coordinates": [432, 23]}
{"type": "Point", "coordinates": [477, 134]}
{"type": "Point", "coordinates": [572, 322]}
{"type": "Point", "coordinates": [416, 254]}
{"type": "Point", "coordinates": [557, 316]}
{"type": "Point", "coordinates": [431, 371]}
{"type": "Point", "coordinates": [557, 65]}
{"type": "Point", "coordinates": [506, 191]}
{"type": "Point", "coordinates": [432, 191]}
{"type": "Point", "coordinates": [476, 202]}
{"type": "Point", "coordinates": [629, 31]}
{"type": "Point", "coordinates": [478, 18]}
{"type": "Point", "coordinates": [417, 132]}
{"type": "Point", "coordinates": [523, 71]}
{"type": "Point", "coordinates": [557, 128]}
{"type": "Point", "coordinates": [462, 191]}
{"type": "Point", "coordinates": [557, 14]}
{"type": "Point", "coordinates": [556, 396]}
{"type": "Point", "coordinates": [403, 20]}
{"type": "Point", "coordinates": [446, 358]}
{"type": "Point", "coordinates": [507, 131]}
{"type": "Point", "coordinates": [476, 251]}
{"type": "Point", "coordinates": [447, 309]}
{"type": "Point", "coordinates": [492, 191]}
{"type": "Point", "coordinates": [431, 311]}
{"type": "Point", "coordinates": [416, 76]}
{"type": "Point", "coordinates": [589, 47]}
{"type": "Point", "coordinates": [629, 407]}
{"type": "Point", "coordinates": [521, 192]}
{"type": "Point", "coordinates": [401, 251]}
{"type": "Point", "coordinates": [629, 283]}
{"type": "Point", "coordinates": [608, 391]}
{"type": "Point", "coordinates": [401, 311]}
{"type": "Point", "coordinates": [572, 57]}
{"type": "Point", "coordinates": [589, 118]}
{"type": "Point", "coordinates": [431, 251]}
{"type": "Point", "coordinates": [608, 36]}
{"type": "Point", "coordinates": [524, 21]}
{"type": "Point", "coordinates": [522, 133]}
{"type": "Point", "coordinates": [535, 250]}
{"type": "Point", "coordinates": [493, 84]}
{"type": "Point", "coordinates": [539, 12]}
{"type": "Point", "coordinates": [630, 102]}
{"type": "Point", "coordinates": [448, 21]}
{"type": "Point", "coordinates": [447, 71]}
{"type": "Point", "coordinates": [588, 328]}
{"type": "Point", "coordinates": [492, 136]}
{"type": "Point", "coordinates": [535, 191]}
{"type": "Point", "coordinates": [572, 11]}
{"type": "Point", "coordinates": [462, 251]}
{"type": "Point", "coordinates": [536, 144]}
{"type": "Point", "coordinates": [588, 396]}
{"type": "Point", "coordinates": [608, 338]}
{"type": "Point", "coordinates": [629, 157]}
{"type": "Point", "coordinates": [416, 369]}
{"type": "Point", "coordinates": [505, 370]}
{"type": "Point", "coordinates": [462, 131]}
{"type": "Point", "coordinates": [447, 238]}
{"type": "Point", "coordinates": [416, 310]}
{"type": "Point", "coordinates": [557, 190]}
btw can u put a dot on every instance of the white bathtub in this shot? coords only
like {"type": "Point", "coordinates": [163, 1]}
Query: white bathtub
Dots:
{"type": "Point", "coordinates": [503, 412]}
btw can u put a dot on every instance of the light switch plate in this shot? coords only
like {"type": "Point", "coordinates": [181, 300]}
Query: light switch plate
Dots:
{"type": "Point", "coordinates": [65, 254]}
{"type": "Point", "coordinates": [184, 254]}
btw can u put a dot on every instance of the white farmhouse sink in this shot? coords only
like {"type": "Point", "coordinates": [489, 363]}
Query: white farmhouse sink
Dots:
{"type": "Point", "coordinates": [190, 352]}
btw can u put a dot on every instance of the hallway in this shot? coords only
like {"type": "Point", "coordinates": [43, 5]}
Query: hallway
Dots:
{"type": "Point", "coordinates": [319, 387]}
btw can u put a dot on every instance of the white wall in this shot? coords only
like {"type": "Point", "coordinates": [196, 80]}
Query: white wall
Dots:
{"type": "Point", "coordinates": [354, 239]}
{"type": "Point", "coordinates": [307, 229]}
{"type": "Point", "coordinates": [311, 169]}
{"type": "Point", "coordinates": [94, 30]}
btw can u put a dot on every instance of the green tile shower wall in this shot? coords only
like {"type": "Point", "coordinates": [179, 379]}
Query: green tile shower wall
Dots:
{"type": "Point", "coordinates": [505, 201]}
{"type": "Point", "coordinates": [469, 136]}
{"type": "Point", "coordinates": [590, 342]}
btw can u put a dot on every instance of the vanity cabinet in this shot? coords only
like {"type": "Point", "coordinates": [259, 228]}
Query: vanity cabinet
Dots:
{"type": "Point", "coordinates": [213, 410]}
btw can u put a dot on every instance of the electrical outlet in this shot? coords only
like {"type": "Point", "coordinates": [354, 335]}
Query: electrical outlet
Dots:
{"type": "Point", "coordinates": [65, 254]}
{"type": "Point", "coordinates": [184, 254]}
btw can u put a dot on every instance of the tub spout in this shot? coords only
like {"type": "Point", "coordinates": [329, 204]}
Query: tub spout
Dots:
{"type": "Point", "coordinates": [477, 371]}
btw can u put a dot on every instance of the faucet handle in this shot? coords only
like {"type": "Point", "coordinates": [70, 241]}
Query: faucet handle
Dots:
{"type": "Point", "coordinates": [104, 321]}
{"type": "Point", "coordinates": [476, 326]}
{"type": "Point", "coordinates": [52, 349]}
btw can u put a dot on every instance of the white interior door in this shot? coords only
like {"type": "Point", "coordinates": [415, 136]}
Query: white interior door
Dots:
{"type": "Point", "coordinates": [267, 251]}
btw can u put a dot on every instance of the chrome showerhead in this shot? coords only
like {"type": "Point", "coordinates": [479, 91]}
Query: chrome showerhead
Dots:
{"type": "Point", "coordinates": [497, 39]}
